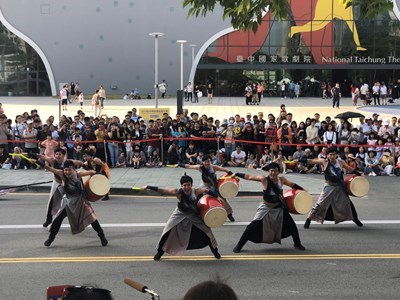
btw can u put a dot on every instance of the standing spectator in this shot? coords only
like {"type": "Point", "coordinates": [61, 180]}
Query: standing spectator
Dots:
{"type": "Point", "coordinates": [189, 90]}
{"type": "Point", "coordinates": [1, 109]}
{"type": "Point", "coordinates": [77, 89]}
{"type": "Point", "coordinates": [81, 98]}
{"type": "Point", "coordinates": [72, 92]}
{"type": "Point", "coordinates": [96, 103]}
{"type": "Point", "coordinates": [4, 131]}
{"type": "Point", "coordinates": [247, 94]}
{"type": "Point", "coordinates": [102, 95]}
{"type": "Point", "coordinates": [196, 93]}
{"type": "Point", "coordinates": [30, 137]}
{"type": "Point", "coordinates": [384, 92]}
{"type": "Point", "coordinates": [154, 133]}
{"type": "Point", "coordinates": [254, 93]}
{"type": "Point", "coordinates": [330, 136]}
{"type": "Point", "coordinates": [291, 89]}
{"type": "Point", "coordinates": [260, 90]}
{"type": "Point", "coordinates": [376, 93]}
{"type": "Point", "coordinates": [113, 136]}
{"type": "Point", "coordinates": [64, 96]}
{"type": "Point", "coordinates": [49, 144]}
{"type": "Point", "coordinates": [163, 88]}
{"type": "Point", "coordinates": [210, 92]}
{"type": "Point", "coordinates": [312, 133]}
{"type": "Point", "coordinates": [297, 89]}
{"type": "Point", "coordinates": [285, 137]}
{"type": "Point", "coordinates": [363, 93]}
{"type": "Point", "coordinates": [337, 94]}
{"type": "Point", "coordinates": [283, 89]}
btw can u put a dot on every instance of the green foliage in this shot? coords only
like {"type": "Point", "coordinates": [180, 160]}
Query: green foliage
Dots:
{"type": "Point", "coordinates": [247, 14]}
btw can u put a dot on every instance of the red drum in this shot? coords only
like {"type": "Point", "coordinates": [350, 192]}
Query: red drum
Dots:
{"type": "Point", "coordinates": [298, 202]}
{"type": "Point", "coordinates": [56, 292]}
{"type": "Point", "coordinates": [357, 186]}
{"type": "Point", "coordinates": [228, 187]}
{"type": "Point", "coordinates": [96, 187]}
{"type": "Point", "coordinates": [212, 211]}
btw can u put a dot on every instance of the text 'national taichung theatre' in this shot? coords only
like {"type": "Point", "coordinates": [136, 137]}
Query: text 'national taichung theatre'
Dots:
{"type": "Point", "coordinates": [46, 43]}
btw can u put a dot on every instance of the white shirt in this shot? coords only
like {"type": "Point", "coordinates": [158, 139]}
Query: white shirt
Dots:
{"type": "Point", "coordinates": [238, 157]}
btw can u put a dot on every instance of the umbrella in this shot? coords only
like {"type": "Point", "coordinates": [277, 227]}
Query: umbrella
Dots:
{"type": "Point", "coordinates": [349, 114]}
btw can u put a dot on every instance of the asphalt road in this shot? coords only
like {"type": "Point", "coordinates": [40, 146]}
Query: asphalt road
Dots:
{"type": "Point", "coordinates": [341, 261]}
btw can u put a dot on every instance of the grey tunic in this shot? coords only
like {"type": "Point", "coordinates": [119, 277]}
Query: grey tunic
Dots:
{"type": "Point", "coordinates": [79, 211]}
{"type": "Point", "coordinates": [333, 196]}
{"type": "Point", "coordinates": [179, 229]}
{"type": "Point", "coordinates": [272, 219]}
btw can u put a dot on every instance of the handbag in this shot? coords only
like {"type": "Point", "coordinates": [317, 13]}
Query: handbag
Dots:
{"type": "Point", "coordinates": [200, 94]}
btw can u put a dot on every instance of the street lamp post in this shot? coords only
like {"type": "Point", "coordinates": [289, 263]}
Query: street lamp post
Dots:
{"type": "Point", "coordinates": [156, 35]}
{"type": "Point", "coordinates": [192, 45]}
{"type": "Point", "coordinates": [179, 97]}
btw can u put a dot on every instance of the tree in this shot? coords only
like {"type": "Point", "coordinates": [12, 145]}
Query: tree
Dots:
{"type": "Point", "coordinates": [247, 14]}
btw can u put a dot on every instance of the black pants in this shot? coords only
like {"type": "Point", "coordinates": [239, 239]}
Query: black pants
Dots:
{"type": "Point", "coordinates": [329, 213]}
{"type": "Point", "coordinates": [198, 240]}
{"type": "Point", "coordinates": [55, 226]}
{"type": "Point", "coordinates": [254, 231]}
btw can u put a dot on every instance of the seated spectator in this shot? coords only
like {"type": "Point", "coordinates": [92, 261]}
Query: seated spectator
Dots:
{"type": "Point", "coordinates": [299, 153]}
{"type": "Point", "coordinates": [137, 159]}
{"type": "Point", "coordinates": [199, 158]}
{"type": "Point", "coordinates": [351, 161]}
{"type": "Point", "coordinates": [173, 154]}
{"type": "Point", "coordinates": [154, 160]}
{"type": "Point", "coordinates": [251, 162]}
{"type": "Point", "coordinates": [121, 162]}
{"type": "Point", "coordinates": [397, 167]}
{"type": "Point", "coordinates": [221, 157]}
{"type": "Point", "coordinates": [238, 158]}
{"type": "Point", "coordinates": [280, 160]}
{"type": "Point", "coordinates": [5, 159]}
{"type": "Point", "coordinates": [307, 168]}
{"type": "Point", "coordinates": [372, 167]}
{"type": "Point", "coordinates": [290, 163]}
{"type": "Point", "coordinates": [265, 158]}
{"type": "Point", "coordinates": [386, 162]}
{"type": "Point", "coordinates": [17, 162]}
{"type": "Point", "coordinates": [213, 157]}
{"type": "Point", "coordinates": [191, 154]}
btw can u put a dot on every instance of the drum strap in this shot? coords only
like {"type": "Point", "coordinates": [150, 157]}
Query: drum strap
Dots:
{"type": "Point", "coordinates": [208, 177]}
{"type": "Point", "coordinates": [277, 191]}
{"type": "Point", "coordinates": [185, 204]}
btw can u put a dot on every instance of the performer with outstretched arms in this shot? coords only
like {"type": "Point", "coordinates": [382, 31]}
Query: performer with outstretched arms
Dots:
{"type": "Point", "coordinates": [272, 221]}
{"type": "Point", "coordinates": [74, 204]}
{"type": "Point", "coordinates": [185, 230]}
{"type": "Point", "coordinates": [57, 162]}
{"type": "Point", "coordinates": [210, 181]}
{"type": "Point", "coordinates": [334, 203]}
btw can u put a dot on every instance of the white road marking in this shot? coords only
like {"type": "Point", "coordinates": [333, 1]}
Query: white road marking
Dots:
{"type": "Point", "coordinates": [121, 225]}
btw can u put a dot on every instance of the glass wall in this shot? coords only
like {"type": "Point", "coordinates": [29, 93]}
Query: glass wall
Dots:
{"type": "Point", "coordinates": [22, 72]}
{"type": "Point", "coordinates": [321, 41]}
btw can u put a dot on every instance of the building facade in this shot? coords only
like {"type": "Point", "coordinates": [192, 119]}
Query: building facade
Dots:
{"type": "Point", "coordinates": [44, 44]}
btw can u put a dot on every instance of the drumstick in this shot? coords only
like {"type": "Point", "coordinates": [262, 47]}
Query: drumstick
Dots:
{"type": "Point", "coordinates": [172, 166]}
{"type": "Point", "coordinates": [135, 188]}
{"type": "Point", "coordinates": [23, 156]}
{"type": "Point", "coordinates": [224, 177]}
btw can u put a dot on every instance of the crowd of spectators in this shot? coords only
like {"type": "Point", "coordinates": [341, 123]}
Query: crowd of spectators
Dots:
{"type": "Point", "coordinates": [372, 145]}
